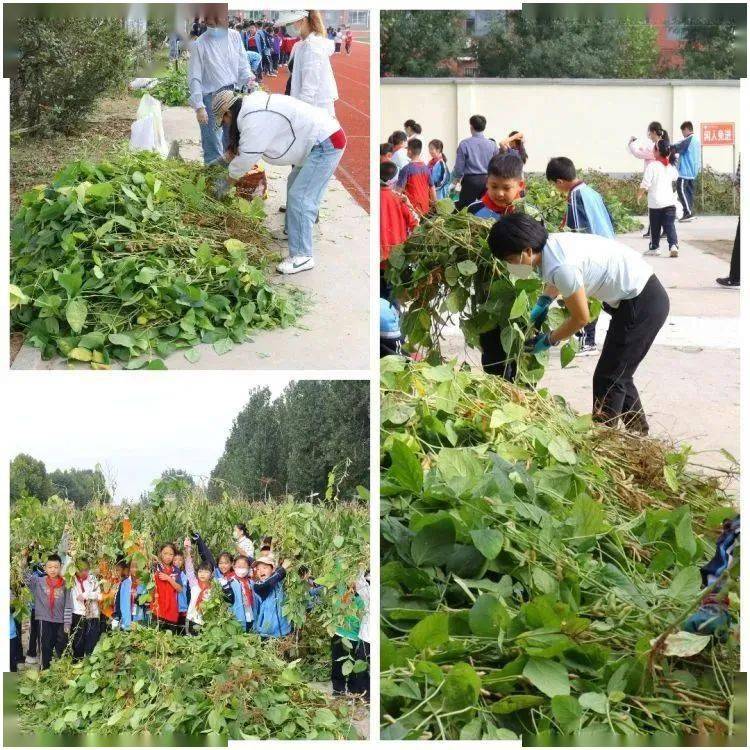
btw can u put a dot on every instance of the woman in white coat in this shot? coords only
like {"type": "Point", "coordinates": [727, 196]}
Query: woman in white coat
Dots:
{"type": "Point", "coordinates": [312, 74]}
{"type": "Point", "coordinates": [282, 130]}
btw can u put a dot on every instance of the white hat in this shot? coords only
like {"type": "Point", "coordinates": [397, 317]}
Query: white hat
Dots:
{"type": "Point", "coordinates": [290, 16]}
{"type": "Point", "coordinates": [220, 104]}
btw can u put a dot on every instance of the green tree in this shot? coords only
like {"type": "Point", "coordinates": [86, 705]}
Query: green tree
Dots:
{"type": "Point", "coordinates": [292, 443]}
{"type": "Point", "coordinates": [524, 46]}
{"type": "Point", "coordinates": [419, 42]}
{"type": "Point", "coordinates": [82, 486]}
{"type": "Point", "coordinates": [710, 49]}
{"type": "Point", "coordinates": [28, 478]}
{"type": "Point", "coordinates": [63, 65]}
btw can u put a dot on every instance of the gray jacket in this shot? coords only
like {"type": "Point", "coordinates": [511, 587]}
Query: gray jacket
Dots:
{"type": "Point", "coordinates": [62, 611]}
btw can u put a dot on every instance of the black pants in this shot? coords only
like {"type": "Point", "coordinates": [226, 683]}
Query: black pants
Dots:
{"type": "Point", "coordinates": [632, 330]}
{"type": "Point", "coordinates": [275, 60]}
{"type": "Point", "coordinates": [34, 633]}
{"type": "Point", "coordinates": [85, 634]}
{"type": "Point", "coordinates": [685, 188]}
{"type": "Point", "coordinates": [734, 264]}
{"type": "Point", "coordinates": [193, 628]}
{"type": "Point", "coordinates": [662, 218]}
{"type": "Point", "coordinates": [588, 333]}
{"type": "Point", "coordinates": [494, 359]}
{"type": "Point", "coordinates": [359, 682]}
{"type": "Point", "coordinates": [16, 652]}
{"type": "Point", "coordinates": [472, 189]}
{"type": "Point", "coordinates": [53, 639]}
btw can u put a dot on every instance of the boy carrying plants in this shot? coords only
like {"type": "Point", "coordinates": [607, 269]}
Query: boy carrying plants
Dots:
{"type": "Point", "coordinates": [53, 606]}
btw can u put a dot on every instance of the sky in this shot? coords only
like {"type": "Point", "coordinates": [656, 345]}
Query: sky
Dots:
{"type": "Point", "coordinates": [134, 429]}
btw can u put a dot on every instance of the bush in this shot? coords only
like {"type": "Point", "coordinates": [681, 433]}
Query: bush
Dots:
{"type": "Point", "coordinates": [63, 65]}
{"type": "Point", "coordinates": [717, 190]}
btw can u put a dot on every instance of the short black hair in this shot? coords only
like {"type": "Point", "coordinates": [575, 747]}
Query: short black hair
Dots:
{"type": "Point", "coordinates": [560, 168]}
{"type": "Point", "coordinates": [506, 167]}
{"type": "Point", "coordinates": [242, 557]}
{"type": "Point", "coordinates": [686, 125]}
{"type": "Point", "coordinates": [478, 122]}
{"type": "Point", "coordinates": [413, 125]}
{"type": "Point", "coordinates": [515, 232]}
{"type": "Point", "coordinates": [398, 136]}
{"type": "Point", "coordinates": [388, 170]}
{"type": "Point", "coordinates": [414, 145]}
{"type": "Point", "coordinates": [206, 566]}
{"type": "Point", "coordinates": [385, 148]}
{"type": "Point", "coordinates": [54, 557]}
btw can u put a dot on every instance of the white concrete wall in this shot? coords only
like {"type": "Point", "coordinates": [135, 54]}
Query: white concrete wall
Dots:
{"type": "Point", "coordinates": [589, 121]}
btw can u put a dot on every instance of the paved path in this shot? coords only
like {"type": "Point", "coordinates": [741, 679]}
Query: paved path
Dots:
{"type": "Point", "coordinates": [690, 380]}
{"type": "Point", "coordinates": [334, 334]}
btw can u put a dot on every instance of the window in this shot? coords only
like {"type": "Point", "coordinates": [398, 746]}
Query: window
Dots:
{"type": "Point", "coordinates": [359, 18]}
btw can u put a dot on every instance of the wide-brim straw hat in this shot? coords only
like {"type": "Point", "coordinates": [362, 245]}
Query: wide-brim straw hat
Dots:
{"type": "Point", "coordinates": [266, 560]}
{"type": "Point", "coordinates": [290, 16]}
{"type": "Point", "coordinates": [221, 103]}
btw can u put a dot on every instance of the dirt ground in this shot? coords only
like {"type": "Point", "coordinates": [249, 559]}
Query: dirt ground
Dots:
{"type": "Point", "coordinates": [35, 160]}
{"type": "Point", "coordinates": [720, 248]}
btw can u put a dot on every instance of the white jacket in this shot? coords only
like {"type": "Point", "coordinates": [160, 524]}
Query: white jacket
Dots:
{"type": "Point", "coordinates": [91, 594]}
{"type": "Point", "coordinates": [362, 587]}
{"type": "Point", "coordinates": [312, 75]}
{"type": "Point", "coordinates": [278, 129]}
{"type": "Point", "coordinates": [659, 180]}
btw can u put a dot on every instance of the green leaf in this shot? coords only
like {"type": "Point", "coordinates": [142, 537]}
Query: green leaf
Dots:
{"type": "Point", "coordinates": [467, 268]}
{"type": "Point", "coordinates": [461, 688]}
{"type": "Point", "coordinates": [122, 339]}
{"type": "Point", "coordinates": [431, 632]}
{"type": "Point", "coordinates": [549, 677]}
{"type": "Point", "coordinates": [433, 543]}
{"type": "Point", "coordinates": [685, 644]}
{"type": "Point", "coordinates": [146, 275]}
{"type": "Point", "coordinates": [587, 517]}
{"type": "Point", "coordinates": [405, 469]}
{"type": "Point", "coordinates": [686, 584]}
{"type": "Point", "coordinates": [192, 355]}
{"type": "Point", "coordinates": [488, 541]}
{"type": "Point", "coordinates": [597, 702]}
{"type": "Point", "coordinates": [17, 297]}
{"type": "Point", "coordinates": [80, 354]}
{"type": "Point", "coordinates": [222, 346]}
{"type": "Point", "coordinates": [567, 354]}
{"type": "Point", "coordinates": [75, 313]}
{"type": "Point", "coordinates": [520, 306]}
{"type": "Point", "coordinates": [567, 712]}
{"type": "Point", "coordinates": [488, 616]}
{"type": "Point", "coordinates": [561, 450]}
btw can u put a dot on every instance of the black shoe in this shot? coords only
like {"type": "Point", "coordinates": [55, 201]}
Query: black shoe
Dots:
{"type": "Point", "coordinates": [686, 217]}
{"type": "Point", "coordinates": [636, 423]}
{"type": "Point", "coordinates": [727, 281]}
{"type": "Point", "coordinates": [282, 209]}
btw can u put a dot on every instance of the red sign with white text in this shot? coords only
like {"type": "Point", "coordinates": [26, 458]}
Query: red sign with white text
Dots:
{"type": "Point", "coordinates": [717, 134]}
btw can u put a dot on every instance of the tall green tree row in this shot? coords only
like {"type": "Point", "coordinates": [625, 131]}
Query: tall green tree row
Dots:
{"type": "Point", "coordinates": [29, 478]}
{"type": "Point", "coordinates": [292, 444]}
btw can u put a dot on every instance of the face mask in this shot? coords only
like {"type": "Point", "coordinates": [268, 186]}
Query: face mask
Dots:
{"type": "Point", "coordinates": [520, 270]}
{"type": "Point", "coordinates": [216, 32]}
{"type": "Point", "coordinates": [241, 572]}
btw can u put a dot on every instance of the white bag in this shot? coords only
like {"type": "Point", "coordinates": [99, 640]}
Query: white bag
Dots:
{"type": "Point", "coordinates": [147, 132]}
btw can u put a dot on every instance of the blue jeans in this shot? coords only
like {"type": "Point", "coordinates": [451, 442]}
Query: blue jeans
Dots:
{"type": "Point", "coordinates": [305, 188]}
{"type": "Point", "coordinates": [212, 141]}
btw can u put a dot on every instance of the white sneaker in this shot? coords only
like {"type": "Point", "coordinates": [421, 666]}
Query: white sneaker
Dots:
{"type": "Point", "coordinates": [651, 253]}
{"type": "Point", "coordinates": [296, 264]}
{"type": "Point", "coordinates": [587, 350]}
{"type": "Point", "coordinates": [32, 660]}
{"type": "Point", "coordinates": [674, 251]}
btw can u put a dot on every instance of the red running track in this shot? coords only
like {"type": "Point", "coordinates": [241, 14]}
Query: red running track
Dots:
{"type": "Point", "coordinates": [353, 111]}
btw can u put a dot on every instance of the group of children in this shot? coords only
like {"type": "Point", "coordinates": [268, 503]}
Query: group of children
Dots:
{"type": "Point", "coordinates": [341, 36]}
{"type": "Point", "coordinates": [268, 47]}
{"type": "Point", "coordinates": [409, 188]}
{"type": "Point", "coordinates": [251, 586]}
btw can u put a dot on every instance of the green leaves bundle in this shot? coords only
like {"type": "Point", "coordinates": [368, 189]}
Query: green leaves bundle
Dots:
{"type": "Point", "coordinates": [535, 567]}
{"type": "Point", "coordinates": [148, 681]}
{"type": "Point", "coordinates": [172, 89]}
{"type": "Point", "coordinates": [133, 259]}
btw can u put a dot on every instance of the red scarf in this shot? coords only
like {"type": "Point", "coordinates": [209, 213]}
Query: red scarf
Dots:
{"type": "Point", "coordinates": [432, 162]}
{"type": "Point", "coordinates": [502, 210]}
{"type": "Point", "coordinates": [133, 592]}
{"type": "Point", "coordinates": [80, 579]}
{"type": "Point", "coordinates": [247, 592]}
{"type": "Point", "coordinates": [663, 159]}
{"type": "Point", "coordinates": [205, 588]}
{"type": "Point", "coordinates": [164, 605]}
{"type": "Point", "coordinates": [52, 584]}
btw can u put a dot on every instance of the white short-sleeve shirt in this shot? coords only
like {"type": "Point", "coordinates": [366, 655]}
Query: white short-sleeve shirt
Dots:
{"type": "Point", "coordinates": [606, 269]}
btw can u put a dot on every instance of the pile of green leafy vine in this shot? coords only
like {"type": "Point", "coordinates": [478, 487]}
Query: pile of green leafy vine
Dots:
{"type": "Point", "coordinates": [133, 259]}
{"type": "Point", "coordinates": [445, 269]}
{"type": "Point", "coordinates": [537, 569]}
{"type": "Point", "coordinates": [147, 681]}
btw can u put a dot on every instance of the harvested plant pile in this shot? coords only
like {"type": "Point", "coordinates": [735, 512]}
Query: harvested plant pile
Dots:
{"type": "Point", "coordinates": [149, 681]}
{"type": "Point", "coordinates": [332, 540]}
{"type": "Point", "coordinates": [536, 570]}
{"type": "Point", "coordinates": [133, 259]}
{"type": "Point", "coordinates": [445, 268]}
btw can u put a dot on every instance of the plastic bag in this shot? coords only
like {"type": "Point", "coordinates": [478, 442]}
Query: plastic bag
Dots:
{"type": "Point", "coordinates": [147, 132]}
